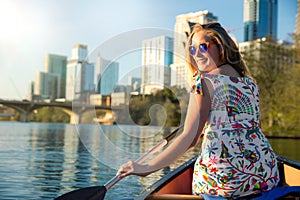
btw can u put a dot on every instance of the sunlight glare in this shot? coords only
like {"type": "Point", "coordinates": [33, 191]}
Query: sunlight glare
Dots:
{"type": "Point", "coordinates": [11, 20]}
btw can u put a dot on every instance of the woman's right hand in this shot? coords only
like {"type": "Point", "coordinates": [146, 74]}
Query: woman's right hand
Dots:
{"type": "Point", "coordinates": [133, 168]}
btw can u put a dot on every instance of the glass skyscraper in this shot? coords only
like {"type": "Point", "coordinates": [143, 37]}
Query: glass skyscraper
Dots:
{"type": "Point", "coordinates": [260, 19]}
{"type": "Point", "coordinates": [157, 55]}
{"type": "Point", "coordinates": [57, 64]}
{"type": "Point", "coordinates": [107, 76]}
{"type": "Point", "coordinates": [80, 75]}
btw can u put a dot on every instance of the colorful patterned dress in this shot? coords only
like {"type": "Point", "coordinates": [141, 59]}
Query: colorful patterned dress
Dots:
{"type": "Point", "coordinates": [236, 158]}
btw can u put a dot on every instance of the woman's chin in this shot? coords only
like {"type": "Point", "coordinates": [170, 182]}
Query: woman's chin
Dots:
{"type": "Point", "coordinates": [202, 67]}
{"type": "Point", "coordinates": [205, 66]}
{"type": "Point", "coordinates": [202, 63]}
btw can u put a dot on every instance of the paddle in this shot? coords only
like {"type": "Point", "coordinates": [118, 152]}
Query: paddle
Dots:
{"type": "Point", "coordinates": [98, 192]}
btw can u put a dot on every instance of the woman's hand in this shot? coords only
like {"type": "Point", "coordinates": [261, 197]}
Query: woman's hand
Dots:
{"type": "Point", "coordinates": [134, 169]}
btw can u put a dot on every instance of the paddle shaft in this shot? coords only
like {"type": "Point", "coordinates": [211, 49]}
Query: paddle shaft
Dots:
{"type": "Point", "coordinates": [146, 155]}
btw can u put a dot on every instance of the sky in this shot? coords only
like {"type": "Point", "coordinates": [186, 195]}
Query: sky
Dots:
{"type": "Point", "coordinates": [30, 29]}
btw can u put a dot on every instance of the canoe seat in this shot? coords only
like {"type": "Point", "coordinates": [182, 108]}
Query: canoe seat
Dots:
{"type": "Point", "coordinates": [173, 197]}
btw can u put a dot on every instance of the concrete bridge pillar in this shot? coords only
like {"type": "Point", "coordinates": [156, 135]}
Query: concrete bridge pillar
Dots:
{"type": "Point", "coordinates": [74, 118]}
{"type": "Point", "coordinates": [24, 116]}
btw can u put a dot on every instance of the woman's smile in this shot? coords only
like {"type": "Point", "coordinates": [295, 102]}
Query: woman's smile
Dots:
{"type": "Point", "coordinates": [201, 61]}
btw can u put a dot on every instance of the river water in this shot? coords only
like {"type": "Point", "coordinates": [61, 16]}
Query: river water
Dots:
{"type": "Point", "coordinates": [44, 160]}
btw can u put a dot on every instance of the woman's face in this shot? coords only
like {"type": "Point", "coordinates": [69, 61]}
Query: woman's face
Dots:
{"type": "Point", "coordinates": [206, 57]}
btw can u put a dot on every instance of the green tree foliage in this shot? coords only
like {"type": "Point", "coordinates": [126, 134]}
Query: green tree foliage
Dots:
{"type": "Point", "coordinates": [162, 108]}
{"type": "Point", "coordinates": [275, 69]}
{"type": "Point", "coordinates": [290, 121]}
{"type": "Point", "coordinates": [49, 114]}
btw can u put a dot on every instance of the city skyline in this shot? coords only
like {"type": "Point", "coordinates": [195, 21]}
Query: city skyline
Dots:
{"type": "Point", "coordinates": [55, 30]}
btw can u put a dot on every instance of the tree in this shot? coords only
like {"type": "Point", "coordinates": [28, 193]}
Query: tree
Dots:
{"type": "Point", "coordinates": [164, 108]}
{"type": "Point", "coordinates": [49, 114]}
{"type": "Point", "coordinates": [274, 69]}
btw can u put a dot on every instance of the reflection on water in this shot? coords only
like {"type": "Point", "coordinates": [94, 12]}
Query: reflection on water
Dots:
{"type": "Point", "coordinates": [288, 148]}
{"type": "Point", "coordinates": [42, 161]}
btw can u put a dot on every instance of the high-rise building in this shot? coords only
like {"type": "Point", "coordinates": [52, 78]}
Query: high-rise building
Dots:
{"type": "Point", "coordinates": [30, 92]}
{"type": "Point", "coordinates": [157, 55]}
{"type": "Point", "coordinates": [57, 64]}
{"type": "Point", "coordinates": [179, 72]}
{"type": "Point", "coordinates": [107, 75]}
{"type": "Point", "coordinates": [46, 85]}
{"type": "Point", "coordinates": [260, 19]}
{"type": "Point", "coordinates": [80, 75]}
{"type": "Point", "coordinates": [134, 83]}
{"type": "Point", "coordinates": [79, 52]}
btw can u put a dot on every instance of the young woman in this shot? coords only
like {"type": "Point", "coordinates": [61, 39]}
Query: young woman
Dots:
{"type": "Point", "coordinates": [236, 158]}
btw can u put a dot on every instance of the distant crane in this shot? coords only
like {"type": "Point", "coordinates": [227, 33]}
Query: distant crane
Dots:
{"type": "Point", "coordinates": [229, 29]}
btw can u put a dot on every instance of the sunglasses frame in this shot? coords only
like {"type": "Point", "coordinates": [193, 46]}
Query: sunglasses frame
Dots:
{"type": "Point", "coordinates": [202, 48]}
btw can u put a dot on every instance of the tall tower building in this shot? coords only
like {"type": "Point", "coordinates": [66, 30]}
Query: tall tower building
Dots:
{"type": "Point", "coordinates": [46, 85]}
{"type": "Point", "coordinates": [107, 76]}
{"type": "Point", "coordinates": [30, 92]}
{"type": "Point", "coordinates": [79, 52]}
{"type": "Point", "coordinates": [134, 83]}
{"type": "Point", "coordinates": [260, 19]}
{"type": "Point", "coordinates": [57, 64]}
{"type": "Point", "coordinates": [157, 55]}
{"type": "Point", "coordinates": [179, 72]}
{"type": "Point", "coordinates": [51, 83]}
{"type": "Point", "coordinates": [80, 75]}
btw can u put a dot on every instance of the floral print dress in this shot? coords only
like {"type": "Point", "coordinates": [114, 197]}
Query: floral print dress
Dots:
{"type": "Point", "coordinates": [236, 158]}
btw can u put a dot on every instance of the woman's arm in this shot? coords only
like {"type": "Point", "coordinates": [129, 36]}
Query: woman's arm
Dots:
{"type": "Point", "coordinates": [197, 114]}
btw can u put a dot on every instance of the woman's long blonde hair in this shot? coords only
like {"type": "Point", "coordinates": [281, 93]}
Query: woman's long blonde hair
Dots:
{"type": "Point", "coordinates": [229, 50]}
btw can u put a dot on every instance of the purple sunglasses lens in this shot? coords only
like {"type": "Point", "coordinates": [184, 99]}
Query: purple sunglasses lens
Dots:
{"type": "Point", "coordinates": [203, 47]}
{"type": "Point", "coordinates": [192, 50]}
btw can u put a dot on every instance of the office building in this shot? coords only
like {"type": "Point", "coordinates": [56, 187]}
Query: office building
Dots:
{"type": "Point", "coordinates": [107, 75]}
{"type": "Point", "coordinates": [260, 19]}
{"type": "Point", "coordinates": [135, 84]}
{"type": "Point", "coordinates": [46, 85]}
{"type": "Point", "coordinates": [30, 92]}
{"type": "Point", "coordinates": [57, 64]}
{"type": "Point", "coordinates": [79, 52]}
{"type": "Point", "coordinates": [157, 55]}
{"type": "Point", "coordinates": [80, 75]}
{"type": "Point", "coordinates": [179, 72]}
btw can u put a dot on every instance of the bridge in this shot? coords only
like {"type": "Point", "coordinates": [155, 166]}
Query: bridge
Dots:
{"type": "Point", "coordinates": [73, 109]}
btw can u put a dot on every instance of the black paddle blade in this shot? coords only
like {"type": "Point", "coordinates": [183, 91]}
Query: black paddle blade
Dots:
{"type": "Point", "coordinates": [89, 193]}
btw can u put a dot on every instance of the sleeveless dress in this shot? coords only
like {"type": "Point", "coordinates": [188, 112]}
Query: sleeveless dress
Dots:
{"type": "Point", "coordinates": [236, 158]}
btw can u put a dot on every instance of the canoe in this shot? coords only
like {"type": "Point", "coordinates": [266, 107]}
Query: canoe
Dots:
{"type": "Point", "coordinates": [178, 183]}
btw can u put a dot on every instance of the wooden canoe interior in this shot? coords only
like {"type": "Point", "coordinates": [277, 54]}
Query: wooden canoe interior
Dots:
{"type": "Point", "coordinates": [291, 175]}
{"type": "Point", "coordinates": [180, 186]}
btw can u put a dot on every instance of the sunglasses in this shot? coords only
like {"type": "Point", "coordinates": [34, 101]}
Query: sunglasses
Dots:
{"type": "Point", "coordinates": [202, 47]}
